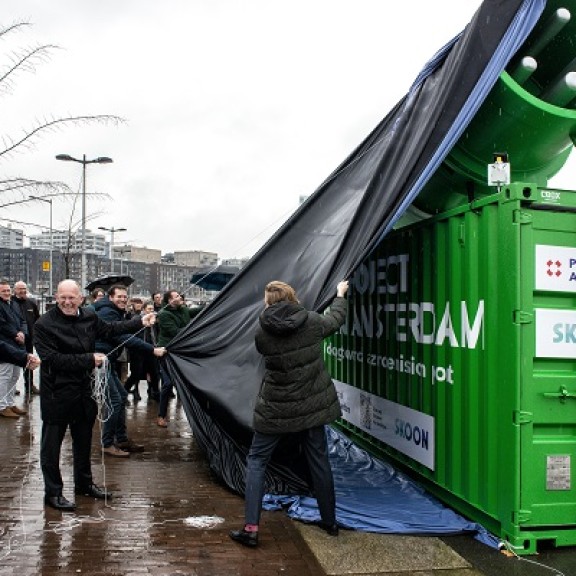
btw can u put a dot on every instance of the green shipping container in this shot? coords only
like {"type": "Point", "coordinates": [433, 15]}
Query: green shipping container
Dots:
{"type": "Point", "coordinates": [458, 360]}
{"type": "Point", "coordinates": [459, 356]}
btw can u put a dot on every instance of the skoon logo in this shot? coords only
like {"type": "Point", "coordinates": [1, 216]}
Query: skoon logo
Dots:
{"type": "Point", "coordinates": [554, 268]}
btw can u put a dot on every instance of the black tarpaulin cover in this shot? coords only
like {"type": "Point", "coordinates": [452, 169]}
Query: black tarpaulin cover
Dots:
{"type": "Point", "coordinates": [213, 361]}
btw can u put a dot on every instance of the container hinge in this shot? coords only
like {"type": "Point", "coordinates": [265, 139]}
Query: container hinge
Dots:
{"type": "Point", "coordinates": [563, 394]}
{"type": "Point", "coordinates": [521, 516]}
{"type": "Point", "coordinates": [522, 417]}
{"type": "Point", "coordinates": [522, 317]}
{"type": "Point", "coordinates": [521, 217]}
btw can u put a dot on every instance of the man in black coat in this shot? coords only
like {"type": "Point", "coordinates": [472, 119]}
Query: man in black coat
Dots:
{"type": "Point", "coordinates": [29, 312]}
{"type": "Point", "coordinates": [13, 332]}
{"type": "Point", "coordinates": [65, 338]}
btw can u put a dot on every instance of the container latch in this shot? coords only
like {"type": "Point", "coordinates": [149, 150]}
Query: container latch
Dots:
{"type": "Point", "coordinates": [563, 394]}
{"type": "Point", "coordinates": [522, 317]}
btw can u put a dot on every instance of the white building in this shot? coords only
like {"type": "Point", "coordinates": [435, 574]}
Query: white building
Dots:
{"type": "Point", "coordinates": [66, 242]}
{"type": "Point", "coordinates": [11, 238]}
{"type": "Point", "coordinates": [196, 258]}
{"type": "Point", "coordinates": [137, 254]}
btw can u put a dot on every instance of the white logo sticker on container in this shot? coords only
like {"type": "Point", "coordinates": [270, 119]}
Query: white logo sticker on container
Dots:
{"type": "Point", "coordinates": [409, 431]}
{"type": "Point", "coordinates": [555, 333]}
{"type": "Point", "coordinates": [555, 268]}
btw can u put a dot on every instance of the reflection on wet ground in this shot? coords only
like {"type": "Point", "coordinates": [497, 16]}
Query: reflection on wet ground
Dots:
{"type": "Point", "coordinates": [169, 514]}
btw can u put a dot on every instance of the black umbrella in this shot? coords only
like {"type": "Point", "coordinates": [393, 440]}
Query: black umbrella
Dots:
{"type": "Point", "coordinates": [109, 280]}
{"type": "Point", "coordinates": [214, 278]}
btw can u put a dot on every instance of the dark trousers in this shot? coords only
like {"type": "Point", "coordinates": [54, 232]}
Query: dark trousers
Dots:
{"type": "Point", "coordinates": [28, 379]}
{"type": "Point", "coordinates": [50, 445]}
{"type": "Point", "coordinates": [165, 391]}
{"type": "Point", "coordinates": [143, 367]}
{"type": "Point", "coordinates": [114, 425]}
{"type": "Point", "coordinates": [28, 374]}
{"type": "Point", "coordinates": [316, 450]}
{"type": "Point", "coordinates": [137, 372]}
{"type": "Point", "coordinates": [152, 368]}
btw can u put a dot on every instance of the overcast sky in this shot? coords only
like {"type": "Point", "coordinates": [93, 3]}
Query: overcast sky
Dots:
{"type": "Point", "coordinates": [232, 109]}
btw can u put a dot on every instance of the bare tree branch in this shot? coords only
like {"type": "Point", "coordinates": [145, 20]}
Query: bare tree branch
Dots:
{"type": "Point", "coordinates": [54, 124]}
{"type": "Point", "coordinates": [22, 223]}
{"type": "Point", "coordinates": [19, 183]}
{"type": "Point", "coordinates": [14, 191]}
{"type": "Point", "coordinates": [25, 62]}
{"type": "Point", "coordinates": [13, 27]}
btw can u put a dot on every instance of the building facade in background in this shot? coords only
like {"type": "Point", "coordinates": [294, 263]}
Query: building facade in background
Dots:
{"type": "Point", "coordinates": [137, 254]}
{"type": "Point", "coordinates": [237, 262]}
{"type": "Point", "coordinates": [11, 237]}
{"type": "Point", "coordinates": [196, 258]}
{"type": "Point", "coordinates": [67, 242]}
{"type": "Point", "coordinates": [33, 267]}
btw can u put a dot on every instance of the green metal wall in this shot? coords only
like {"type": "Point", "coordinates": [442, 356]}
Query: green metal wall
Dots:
{"type": "Point", "coordinates": [443, 323]}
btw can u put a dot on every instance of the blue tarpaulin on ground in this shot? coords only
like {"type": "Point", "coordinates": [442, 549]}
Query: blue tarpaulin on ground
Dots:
{"type": "Point", "coordinates": [372, 496]}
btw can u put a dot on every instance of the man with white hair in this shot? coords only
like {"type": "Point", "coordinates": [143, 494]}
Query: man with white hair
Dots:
{"type": "Point", "coordinates": [29, 312]}
{"type": "Point", "coordinates": [65, 338]}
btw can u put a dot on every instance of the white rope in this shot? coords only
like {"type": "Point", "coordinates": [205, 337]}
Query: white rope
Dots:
{"type": "Point", "coordinates": [510, 550]}
{"type": "Point", "coordinates": [100, 390]}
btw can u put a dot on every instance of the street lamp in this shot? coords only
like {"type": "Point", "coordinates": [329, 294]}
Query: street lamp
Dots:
{"type": "Point", "coordinates": [123, 250]}
{"type": "Point", "coordinates": [112, 230]}
{"type": "Point", "coordinates": [48, 201]}
{"type": "Point", "coordinates": [99, 160]}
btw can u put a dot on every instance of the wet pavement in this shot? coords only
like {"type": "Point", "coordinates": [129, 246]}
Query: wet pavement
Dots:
{"type": "Point", "coordinates": [171, 516]}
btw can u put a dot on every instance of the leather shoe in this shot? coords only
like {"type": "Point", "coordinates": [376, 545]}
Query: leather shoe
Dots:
{"type": "Point", "coordinates": [116, 452]}
{"type": "Point", "coordinates": [93, 491]}
{"type": "Point", "coordinates": [249, 539]}
{"type": "Point", "coordinates": [331, 529]}
{"type": "Point", "coordinates": [130, 446]}
{"type": "Point", "coordinates": [18, 411]}
{"type": "Point", "coordinates": [59, 503]}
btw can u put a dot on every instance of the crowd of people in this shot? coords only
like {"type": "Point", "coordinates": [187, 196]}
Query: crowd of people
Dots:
{"type": "Point", "coordinates": [79, 348]}
{"type": "Point", "coordinates": [108, 331]}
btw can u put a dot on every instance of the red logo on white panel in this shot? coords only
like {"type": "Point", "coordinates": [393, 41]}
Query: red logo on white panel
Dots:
{"type": "Point", "coordinates": [553, 268]}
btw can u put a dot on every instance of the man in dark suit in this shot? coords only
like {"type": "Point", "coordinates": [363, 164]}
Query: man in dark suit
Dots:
{"type": "Point", "coordinates": [29, 312]}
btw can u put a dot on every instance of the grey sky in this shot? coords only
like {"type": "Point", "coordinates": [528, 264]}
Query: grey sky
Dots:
{"type": "Point", "coordinates": [233, 108]}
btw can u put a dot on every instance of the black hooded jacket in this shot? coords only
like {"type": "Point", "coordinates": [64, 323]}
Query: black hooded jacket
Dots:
{"type": "Point", "coordinates": [297, 392]}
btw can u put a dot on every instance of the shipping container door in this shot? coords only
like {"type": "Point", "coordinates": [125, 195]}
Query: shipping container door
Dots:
{"type": "Point", "coordinates": [547, 418]}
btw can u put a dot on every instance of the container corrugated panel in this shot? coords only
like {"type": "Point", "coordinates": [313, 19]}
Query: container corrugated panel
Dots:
{"type": "Point", "coordinates": [437, 365]}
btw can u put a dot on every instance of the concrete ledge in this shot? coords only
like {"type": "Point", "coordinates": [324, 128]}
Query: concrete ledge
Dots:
{"type": "Point", "coordinates": [364, 554]}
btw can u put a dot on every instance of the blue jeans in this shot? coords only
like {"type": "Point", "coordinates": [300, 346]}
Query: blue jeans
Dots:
{"type": "Point", "coordinates": [165, 390]}
{"type": "Point", "coordinates": [316, 450]}
{"type": "Point", "coordinates": [114, 426]}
